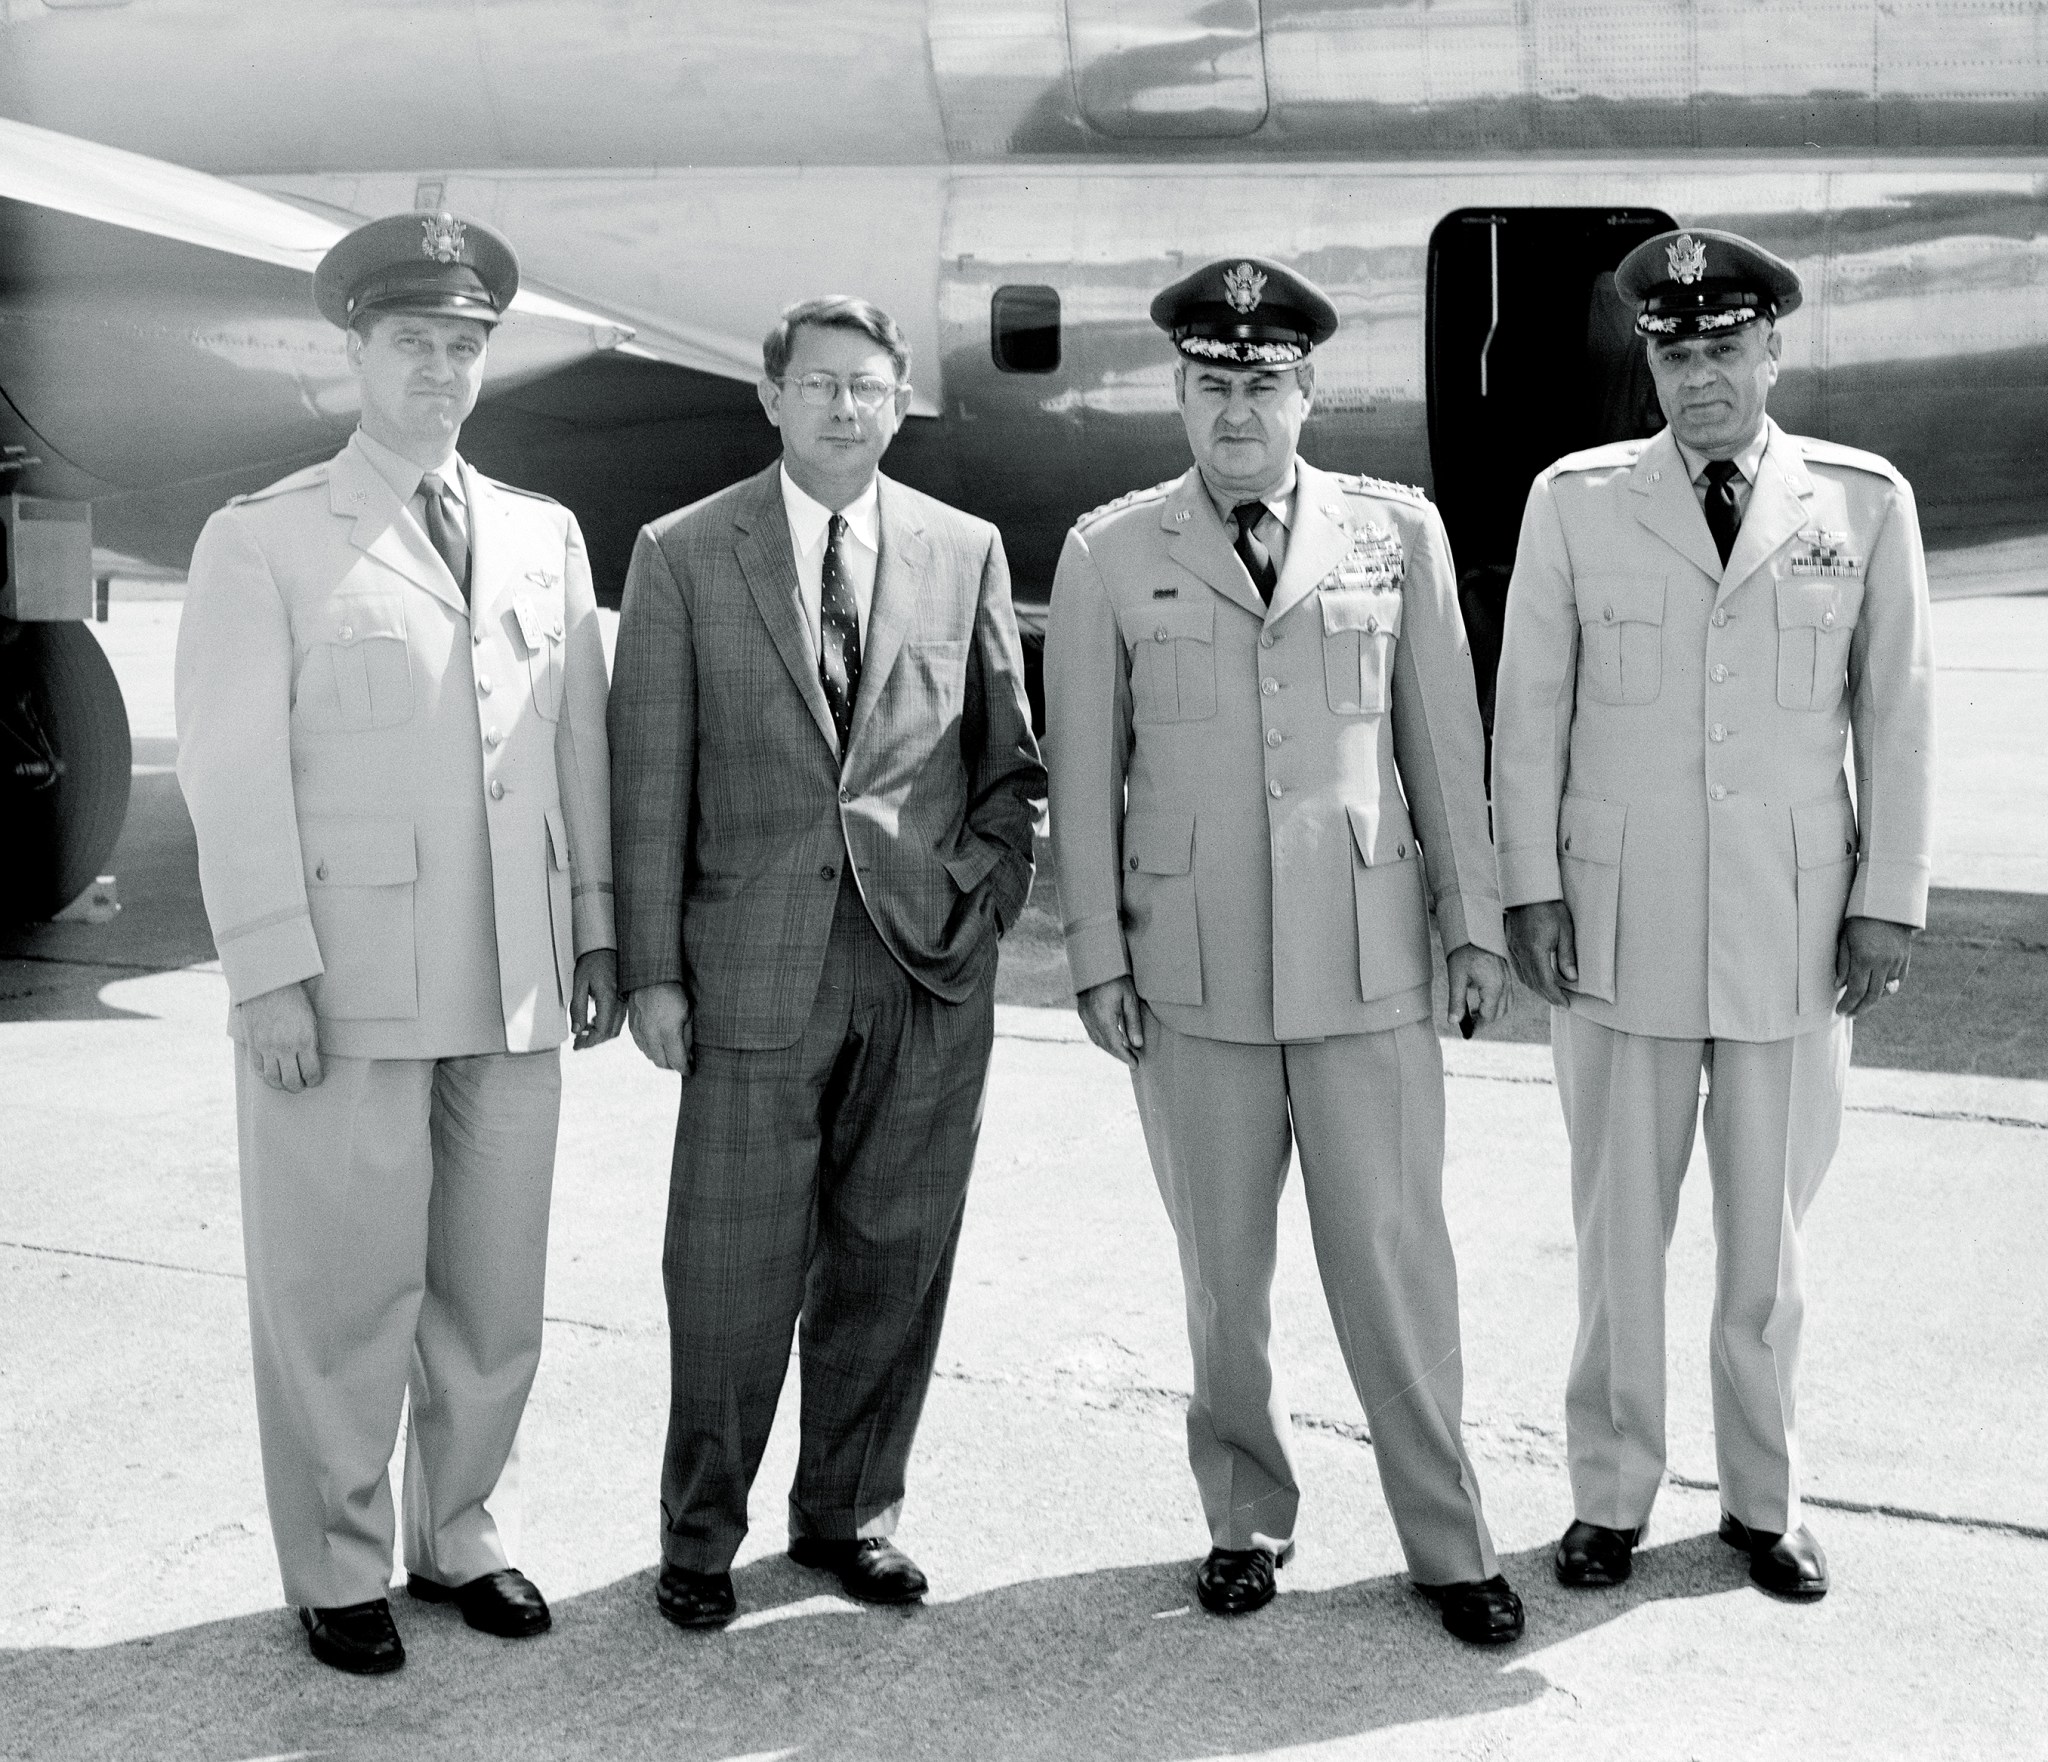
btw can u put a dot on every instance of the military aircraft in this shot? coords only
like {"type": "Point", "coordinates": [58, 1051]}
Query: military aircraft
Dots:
{"type": "Point", "coordinates": [1013, 179]}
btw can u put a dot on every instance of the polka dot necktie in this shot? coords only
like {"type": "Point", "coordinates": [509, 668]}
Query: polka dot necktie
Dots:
{"type": "Point", "coordinates": [1257, 560]}
{"type": "Point", "coordinates": [444, 529]}
{"type": "Point", "coordinates": [838, 636]}
{"type": "Point", "coordinates": [1724, 517]}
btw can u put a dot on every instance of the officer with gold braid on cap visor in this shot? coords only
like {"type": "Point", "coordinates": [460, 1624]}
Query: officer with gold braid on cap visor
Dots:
{"type": "Point", "coordinates": [1698, 626]}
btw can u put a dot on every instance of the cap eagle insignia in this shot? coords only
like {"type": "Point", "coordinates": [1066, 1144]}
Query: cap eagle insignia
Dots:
{"type": "Point", "coordinates": [1688, 258]}
{"type": "Point", "coordinates": [441, 238]}
{"type": "Point", "coordinates": [1242, 287]}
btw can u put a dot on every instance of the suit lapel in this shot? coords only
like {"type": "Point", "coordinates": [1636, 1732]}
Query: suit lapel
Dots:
{"type": "Point", "coordinates": [1667, 506]}
{"type": "Point", "coordinates": [1317, 539]}
{"type": "Point", "coordinates": [1202, 545]}
{"type": "Point", "coordinates": [899, 581]}
{"type": "Point", "coordinates": [357, 492]}
{"type": "Point", "coordinates": [1777, 510]}
{"type": "Point", "coordinates": [761, 542]}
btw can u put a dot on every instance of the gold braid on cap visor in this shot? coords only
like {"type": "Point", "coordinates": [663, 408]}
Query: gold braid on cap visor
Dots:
{"type": "Point", "coordinates": [1699, 321]}
{"type": "Point", "coordinates": [1245, 354]}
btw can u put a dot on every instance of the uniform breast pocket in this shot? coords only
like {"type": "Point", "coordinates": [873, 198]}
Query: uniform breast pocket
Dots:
{"type": "Point", "coordinates": [538, 619]}
{"type": "Point", "coordinates": [1359, 633]}
{"type": "Point", "coordinates": [361, 639]}
{"type": "Point", "coordinates": [1173, 660]}
{"type": "Point", "coordinates": [1816, 619]}
{"type": "Point", "coordinates": [1621, 638]}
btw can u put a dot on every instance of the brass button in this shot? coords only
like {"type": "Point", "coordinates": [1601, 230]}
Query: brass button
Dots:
{"type": "Point", "coordinates": [1272, 737]}
{"type": "Point", "coordinates": [1372, 626]}
{"type": "Point", "coordinates": [492, 737]}
{"type": "Point", "coordinates": [1719, 791]}
{"type": "Point", "coordinates": [1273, 789]}
{"type": "Point", "coordinates": [1400, 850]}
{"type": "Point", "coordinates": [1159, 635]}
{"type": "Point", "coordinates": [1718, 674]}
{"type": "Point", "coordinates": [320, 874]}
{"type": "Point", "coordinates": [1567, 841]}
{"type": "Point", "coordinates": [497, 789]}
{"type": "Point", "coordinates": [476, 639]}
{"type": "Point", "coordinates": [1608, 614]}
{"type": "Point", "coordinates": [1134, 865]}
{"type": "Point", "coordinates": [1268, 687]}
{"type": "Point", "coordinates": [1266, 639]}
{"type": "Point", "coordinates": [347, 631]}
{"type": "Point", "coordinates": [1720, 616]}
{"type": "Point", "coordinates": [483, 684]}
{"type": "Point", "coordinates": [1717, 732]}
{"type": "Point", "coordinates": [1849, 845]}
{"type": "Point", "coordinates": [1827, 618]}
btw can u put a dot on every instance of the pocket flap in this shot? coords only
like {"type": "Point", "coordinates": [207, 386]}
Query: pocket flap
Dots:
{"type": "Point", "coordinates": [1824, 832]}
{"type": "Point", "coordinates": [558, 838]}
{"type": "Point", "coordinates": [1365, 829]}
{"type": "Point", "coordinates": [1817, 605]}
{"type": "Point", "coordinates": [1157, 843]}
{"type": "Point", "coordinates": [1191, 620]}
{"type": "Point", "coordinates": [352, 852]}
{"type": "Point", "coordinates": [349, 619]}
{"type": "Point", "coordinates": [1621, 599]}
{"type": "Point", "coordinates": [1589, 828]}
{"type": "Point", "coordinates": [1376, 612]}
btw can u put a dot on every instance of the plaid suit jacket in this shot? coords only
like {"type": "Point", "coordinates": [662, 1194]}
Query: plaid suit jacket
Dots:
{"type": "Point", "coordinates": [733, 812]}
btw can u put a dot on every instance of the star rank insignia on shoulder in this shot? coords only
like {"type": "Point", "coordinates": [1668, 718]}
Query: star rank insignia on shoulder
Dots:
{"type": "Point", "coordinates": [1128, 500]}
{"type": "Point", "coordinates": [1380, 486]}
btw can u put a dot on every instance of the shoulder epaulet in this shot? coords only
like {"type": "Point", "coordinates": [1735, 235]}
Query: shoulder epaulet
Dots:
{"type": "Point", "coordinates": [1130, 500]}
{"type": "Point", "coordinates": [1601, 458]}
{"type": "Point", "coordinates": [1827, 452]}
{"type": "Point", "coordinates": [513, 489]}
{"type": "Point", "coordinates": [1380, 486]}
{"type": "Point", "coordinates": [306, 479]}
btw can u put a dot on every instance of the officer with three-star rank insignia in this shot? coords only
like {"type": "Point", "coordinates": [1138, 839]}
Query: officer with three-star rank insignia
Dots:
{"type": "Point", "coordinates": [1697, 626]}
{"type": "Point", "coordinates": [1266, 773]}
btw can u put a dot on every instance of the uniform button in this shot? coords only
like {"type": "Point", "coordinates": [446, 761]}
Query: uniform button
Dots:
{"type": "Point", "coordinates": [826, 872]}
{"type": "Point", "coordinates": [320, 874]}
{"type": "Point", "coordinates": [497, 789]}
{"type": "Point", "coordinates": [1849, 845]}
{"type": "Point", "coordinates": [1400, 850]}
{"type": "Point", "coordinates": [1268, 687]}
{"type": "Point", "coordinates": [483, 684]}
{"type": "Point", "coordinates": [1134, 865]}
{"type": "Point", "coordinates": [1266, 639]}
{"type": "Point", "coordinates": [1720, 616]}
{"type": "Point", "coordinates": [1827, 618]}
{"type": "Point", "coordinates": [846, 795]}
{"type": "Point", "coordinates": [492, 737]}
{"type": "Point", "coordinates": [1719, 791]}
{"type": "Point", "coordinates": [347, 631]}
{"type": "Point", "coordinates": [1372, 626]}
{"type": "Point", "coordinates": [1567, 841]}
{"type": "Point", "coordinates": [1717, 732]}
{"type": "Point", "coordinates": [1159, 635]}
{"type": "Point", "coordinates": [1656, 477]}
{"type": "Point", "coordinates": [1607, 614]}
{"type": "Point", "coordinates": [1718, 674]}
{"type": "Point", "coordinates": [1272, 737]}
{"type": "Point", "coordinates": [476, 639]}
{"type": "Point", "coordinates": [1273, 789]}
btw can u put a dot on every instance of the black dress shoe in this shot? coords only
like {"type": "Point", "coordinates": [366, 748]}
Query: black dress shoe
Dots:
{"type": "Point", "coordinates": [1235, 1581]}
{"type": "Point", "coordinates": [360, 1638]}
{"type": "Point", "coordinates": [1484, 1612]}
{"type": "Point", "coordinates": [505, 1603]}
{"type": "Point", "coordinates": [1590, 1556]}
{"type": "Point", "coordinates": [871, 1569]}
{"type": "Point", "coordinates": [695, 1599]}
{"type": "Point", "coordinates": [1790, 1565]}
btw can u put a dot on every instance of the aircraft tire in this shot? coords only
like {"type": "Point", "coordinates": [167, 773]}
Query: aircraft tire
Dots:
{"type": "Point", "coordinates": [65, 763]}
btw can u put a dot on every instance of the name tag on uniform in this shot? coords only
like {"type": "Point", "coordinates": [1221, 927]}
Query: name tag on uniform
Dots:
{"type": "Point", "coordinates": [1823, 553]}
{"type": "Point", "coordinates": [536, 626]}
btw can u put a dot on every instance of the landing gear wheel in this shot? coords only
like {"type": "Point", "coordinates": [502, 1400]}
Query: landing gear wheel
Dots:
{"type": "Point", "coordinates": [65, 761]}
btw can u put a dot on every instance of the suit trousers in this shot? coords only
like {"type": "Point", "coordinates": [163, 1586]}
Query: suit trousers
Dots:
{"type": "Point", "coordinates": [395, 1221]}
{"type": "Point", "coordinates": [817, 1188]}
{"type": "Point", "coordinates": [1773, 1118]}
{"type": "Point", "coordinates": [1366, 1112]}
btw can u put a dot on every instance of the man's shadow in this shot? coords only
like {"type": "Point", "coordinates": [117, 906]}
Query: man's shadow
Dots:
{"type": "Point", "coordinates": [1113, 1664]}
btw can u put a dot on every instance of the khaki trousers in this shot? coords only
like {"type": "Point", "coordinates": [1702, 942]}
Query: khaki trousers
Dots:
{"type": "Point", "coordinates": [1366, 1112]}
{"type": "Point", "coordinates": [1773, 1117]}
{"type": "Point", "coordinates": [395, 1221]}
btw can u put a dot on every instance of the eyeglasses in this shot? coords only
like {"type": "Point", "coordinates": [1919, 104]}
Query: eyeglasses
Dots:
{"type": "Point", "coordinates": [822, 389]}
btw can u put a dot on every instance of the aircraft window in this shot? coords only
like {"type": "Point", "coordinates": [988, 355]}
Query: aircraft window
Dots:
{"type": "Point", "coordinates": [1024, 329]}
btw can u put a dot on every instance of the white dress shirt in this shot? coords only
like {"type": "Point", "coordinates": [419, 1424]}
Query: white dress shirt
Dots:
{"type": "Point", "coordinates": [810, 523]}
{"type": "Point", "coordinates": [404, 477]}
{"type": "Point", "coordinates": [1746, 463]}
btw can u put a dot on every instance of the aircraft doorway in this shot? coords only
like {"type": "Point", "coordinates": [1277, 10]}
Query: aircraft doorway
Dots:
{"type": "Point", "coordinates": [1531, 355]}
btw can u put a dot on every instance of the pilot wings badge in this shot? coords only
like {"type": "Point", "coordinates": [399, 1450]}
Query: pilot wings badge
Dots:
{"type": "Point", "coordinates": [1242, 287]}
{"type": "Point", "coordinates": [1688, 258]}
{"type": "Point", "coordinates": [441, 238]}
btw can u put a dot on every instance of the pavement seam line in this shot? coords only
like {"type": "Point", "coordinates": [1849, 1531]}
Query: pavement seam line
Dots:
{"type": "Point", "coordinates": [1883, 1508]}
{"type": "Point", "coordinates": [1952, 1116]}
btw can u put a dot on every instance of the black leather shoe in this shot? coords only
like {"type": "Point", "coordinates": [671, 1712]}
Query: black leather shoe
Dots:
{"type": "Point", "coordinates": [1481, 1613]}
{"type": "Point", "coordinates": [1790, 1565]}
{"type": "Point", "coordinates": [1589, 1556]}
{"type": "Point", "coordinates": [360, 1638]}
{"type": "Point", "coordinates": [695, 1599]}
{"type": "Point", "coordinates": [1235, 1581]}
{"type": "Point", "coordinates": [505, 1603]}
{"type": "Point", "coordinates": [870, 1569]}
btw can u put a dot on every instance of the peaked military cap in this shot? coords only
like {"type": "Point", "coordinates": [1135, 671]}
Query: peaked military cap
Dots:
{"type": "Point", "coordinates": [432, 264]}
{"type": "Point", "coordinates": [1698, 281]}
{"type": "Point", "coordinates": [1244, 312]}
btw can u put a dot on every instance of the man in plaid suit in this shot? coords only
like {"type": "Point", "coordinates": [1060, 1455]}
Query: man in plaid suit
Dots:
{"type": "Point", "coordinates": [824, 787]}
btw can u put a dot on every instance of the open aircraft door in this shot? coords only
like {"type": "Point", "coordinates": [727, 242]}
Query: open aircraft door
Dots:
{"type": "Point", "coordinates": [1532, 355]}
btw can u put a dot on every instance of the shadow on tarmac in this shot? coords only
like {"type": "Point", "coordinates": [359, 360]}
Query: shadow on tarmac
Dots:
{"type": "Point", "coordinates": [1111, 1664]}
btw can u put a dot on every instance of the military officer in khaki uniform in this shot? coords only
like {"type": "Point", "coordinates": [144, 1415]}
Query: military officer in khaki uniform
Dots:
{"type": "Point", "coordinates": [1265, 758]}
{"type": "Point", "coordinates": [391, 734]}
{"type": "Point", "coordinates": [1697, 625]}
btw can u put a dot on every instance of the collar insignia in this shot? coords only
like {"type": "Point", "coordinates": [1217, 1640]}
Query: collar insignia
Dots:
{"type": "Point", "coordinates": [441, 238]}
{"type": "Point", "coordinates": [1688, 258]}
{"type": "Point", "coordinates": [1242, 287]}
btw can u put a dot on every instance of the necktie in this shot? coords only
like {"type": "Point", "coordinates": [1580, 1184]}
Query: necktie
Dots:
{"type": "Point", "coordinates": [1257, 560]}
{"type": "Point", "coordinates": [838, 636]}
{"type": "Point", "coordinates": [444, 529]}
{"type": "Point", "coordinates": [1724, 518]}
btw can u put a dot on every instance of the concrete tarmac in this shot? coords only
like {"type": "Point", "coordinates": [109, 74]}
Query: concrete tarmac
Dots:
{"type": "Point", "coordinates": [1050, 1499]}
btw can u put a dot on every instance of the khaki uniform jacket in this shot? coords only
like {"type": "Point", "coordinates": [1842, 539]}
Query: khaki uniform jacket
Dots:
{"type": "Point", "coordinates": [402, 803]}
{"type": "Point", "coordinates": [1669, 734]}
{"type": "Point", "coordinates": [1254, 810]}
{"type": "Point", "coordinates": [735, 811]}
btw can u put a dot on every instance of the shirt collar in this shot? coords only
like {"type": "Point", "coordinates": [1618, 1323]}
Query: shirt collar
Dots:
{"type": "Point", "coordinates": [401, 473]}
{"type": "Point", "coordinates": [808, 517]}
{"type": "Point", "coordinates": [1279, 500]}
{"type": "Point", "coordinates": [1747, 461]}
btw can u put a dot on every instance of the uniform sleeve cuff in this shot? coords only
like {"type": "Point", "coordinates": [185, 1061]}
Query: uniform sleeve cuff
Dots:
{"type": "Point", "coordinates": [1473, 918]}
{"type": "Point", "coordinates": [592, 923]}
{"type": "Point", "coordinates": [1893, 891]}
{"type": "Point", "coordinates": [1096, 954]}
{"type": "Point", "coordinates": [1529, 876]}
{"type": "Point", "coordinates": [260, 960]}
